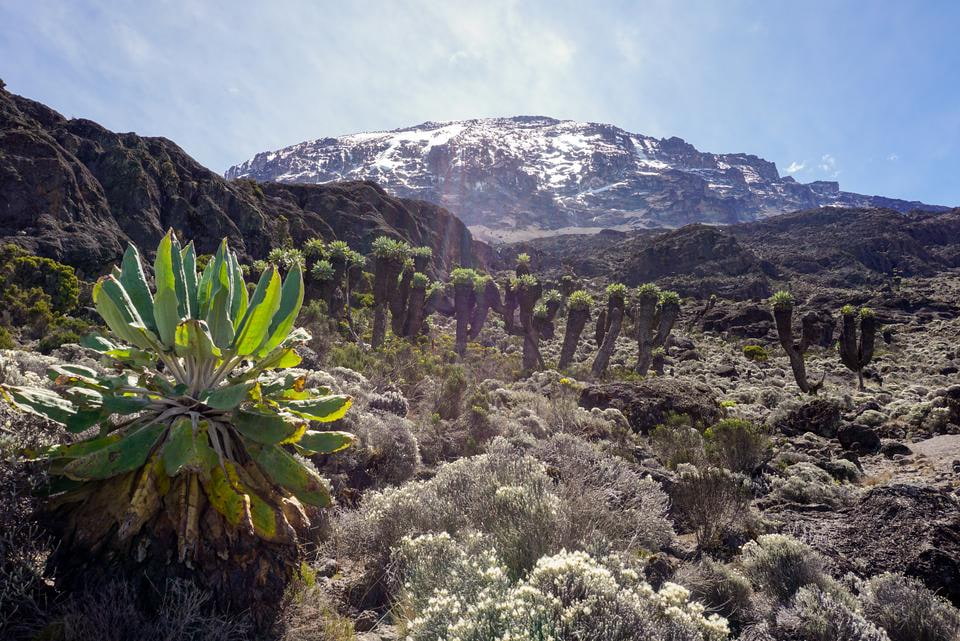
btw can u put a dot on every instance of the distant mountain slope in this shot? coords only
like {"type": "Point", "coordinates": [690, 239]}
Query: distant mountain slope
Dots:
{"type": "Point", "coordinates": [847, 248]}
{"type": "Point", "coordinates": [76, 192]}
{"type": "Point", "coordinates": [513, 178]}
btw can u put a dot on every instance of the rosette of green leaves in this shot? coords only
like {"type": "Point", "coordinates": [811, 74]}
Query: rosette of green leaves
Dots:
{"type": "Point", "coordinates": [194, 389]}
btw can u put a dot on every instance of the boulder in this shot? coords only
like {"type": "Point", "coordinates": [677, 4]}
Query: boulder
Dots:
{"type": "Point", "coordinates": [820, 416]}
{"type": "Point", "coordinates": [859, 438]}
{"type": "Point", "coordinates": [742, 321]}
{"type": "Point", "coordinates": [648, 403]}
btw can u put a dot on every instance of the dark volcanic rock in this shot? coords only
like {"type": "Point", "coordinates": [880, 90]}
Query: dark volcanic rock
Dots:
{"type": "Point", "coordinates": [911, 529]}
{"type": "Point", "coordinates": [76, 192]}
{"type": "Point", "coordinates": [820, 416]}
{"type": "Point", "coordinates": [648, 403]}
{"type": "Point", "coordinates": [859, 438]}
{"type": "Point", "coordinates": [742, 321]}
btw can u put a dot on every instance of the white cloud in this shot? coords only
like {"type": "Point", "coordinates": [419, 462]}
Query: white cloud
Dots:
{"type": "Point", "coordinates": [827, 163]}
{"type": "Point", "coordinates": [893, 157]}
{"type": "Point", "coordinates": [795, 166]}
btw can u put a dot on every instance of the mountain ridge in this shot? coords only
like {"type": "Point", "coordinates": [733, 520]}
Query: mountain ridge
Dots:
{"type": "Point", "coordinates": [76, 192]}
{"type": "Point", "coordinates": [511, 178]}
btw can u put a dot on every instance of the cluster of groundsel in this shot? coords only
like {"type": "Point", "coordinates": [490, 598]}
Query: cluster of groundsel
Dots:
{"type": "Point", "coordinates": [457, 589]}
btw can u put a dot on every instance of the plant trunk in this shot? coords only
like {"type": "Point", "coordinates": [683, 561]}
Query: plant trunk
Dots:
{"type": "Point", "coordinates": [398, 303]}
{"type": "Point", "coordinates": [644, 318]}
{"type": "Point", "coordinates": [784, 320]}
{"type": "Point", "coordinates": [602, 360]}
{"type": "Point", "coordinates": [600, 331]}
{"type": "Point", "coordinates": [576, 321]}
{"type": "Point", "coordinates": [464, 299]}
{"type": "Point", "coordinates": [415, 312]}
{"type": "Point", "coordinates": [174, 535]}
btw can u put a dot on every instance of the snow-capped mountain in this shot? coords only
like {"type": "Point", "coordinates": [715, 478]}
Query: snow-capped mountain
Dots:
{"type": "Point", "coordinates": [515, 178]}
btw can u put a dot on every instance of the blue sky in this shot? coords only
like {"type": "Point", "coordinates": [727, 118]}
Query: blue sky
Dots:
{"type": "Point", "coordinates": [865, 92]}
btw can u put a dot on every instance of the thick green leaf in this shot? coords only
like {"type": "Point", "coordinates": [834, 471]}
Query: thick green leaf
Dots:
{"type": "Point", "coordinates": [189, 259]}
{"type": "Point", "coordinates": [193, 339]}
{"type": "Point", "coordinates": [127, 454]}
{"type": "Point", "coordinates": [268, 427]}
{"type": "Point", "coordinates": [240, 300]}
{"type": "Point", "coordinates": [179, 281]}
{"type": "Point", "coordinates": [291, 299]}
{"type": "Point", "coordinates": [98, 343]}
{"type": "Point", "coordinates": [325, 442]}
{"type": "Point", "coordinates": [40, 401]}
{"type": "Point", "coordinates": [135, 283]}
{"type": "Point", "coordinates": [117, 310]}
{"type": "Point", "coordinates": [204, 286]}
{"type": "Point", "coordinates": [255, 330]}
{"type": "Point", "coordinates": [218, 315]}
{"type": "Point", "coordinates": [259, 293]}
{"type": "Point", "coordinates": [84, 420]}
{"type": "Point", "coordinates": [186, 449]}
{"type": "Point", "coordinates": [76, 450]}
{"type": "Point", "coordinates": [323, 410]}
{"type": "Point", "coordinates": [166, 306]}
{"type": "Point", "coordinates": [222, 491]}
{"type": "Point", "coordinates": [124, 404]}
{"type": "Point", "coordinates": [284, 470]}
{"type": "Point", "coordinates": [227, 398]}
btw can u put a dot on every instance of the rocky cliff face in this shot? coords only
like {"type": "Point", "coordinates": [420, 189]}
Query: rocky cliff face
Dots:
{"type": "Point", "coordinates": [76, 192]}
{"type": "Point", "coordinates": [832, 247]}
{"type": "Point", "coordinates": [515, 178]}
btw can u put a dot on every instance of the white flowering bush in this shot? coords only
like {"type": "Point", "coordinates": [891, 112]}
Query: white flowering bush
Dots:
{"type": "Point", "coordinates": [462, 592]}
{"type": "Point", "coordinates": [506, 496]}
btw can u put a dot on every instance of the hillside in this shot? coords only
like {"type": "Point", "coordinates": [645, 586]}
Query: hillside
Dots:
{"type": "Point", "coordinates": [76, 192]}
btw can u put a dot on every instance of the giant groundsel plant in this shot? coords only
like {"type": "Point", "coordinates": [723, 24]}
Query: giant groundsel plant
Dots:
{"type": "Point", "coordinates": [194, 414]}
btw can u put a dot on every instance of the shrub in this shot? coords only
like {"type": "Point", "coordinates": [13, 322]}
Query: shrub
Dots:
{"type": "Point", "coordinates": [676, 443]}
{"type": "Point", "coordinates": [62, 330]}
{"type": "Point", "coordinates": [391, 450]}
{"type": "Point", "coordinates": [756, 353]}
{"type": "Point", "coordinates": [781, 565]}
{"type": "Point", "coordinates": [6, 340]}
{"type": "Point", "coordinates": [503, 495]}
{"type": "Point", "coordinates": [738, 445]}
{"type": "Point", "coordinates": [20, 269]}
{"type": "Point", "coordinates": [719, 587]}
{"type": "Point", "coordinates": [322, 270]}
{"type": "Point", "coordinates": [315, 248]}
{"type": "Point", "coordinates": [907, 610]}
{"type": "Point", "coordinates": [807, 484]}
{"type": "Point", "coordinates": [450, 402]}
{"type": "Point", "coordinates": [455, 591]}
{"type": "Point", "coordinates": [711, 501]}
{"type": "Point", "coordinates": [817, 615]}
{"type": "Point", "coordinates": [286, 258]}
{"type": "Point", "coordinates": [604, 498]}
{"type": "Point", "coordinates": [111, 613]}
{"type": "Point", "coordinates": [463, 276]}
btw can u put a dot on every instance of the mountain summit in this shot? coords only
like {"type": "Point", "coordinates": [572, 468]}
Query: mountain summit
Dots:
{"type": "Point", "coordinates": [526, 176]}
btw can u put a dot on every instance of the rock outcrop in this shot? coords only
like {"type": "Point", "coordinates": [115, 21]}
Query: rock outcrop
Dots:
{"type": "Point", "coordinates": [76, 192]}
{"type": "Point", "coordinates": [649, 403]}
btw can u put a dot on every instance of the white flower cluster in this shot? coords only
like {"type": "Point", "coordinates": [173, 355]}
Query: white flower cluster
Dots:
{"type": "Point", "coordinates": [460, 591]}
